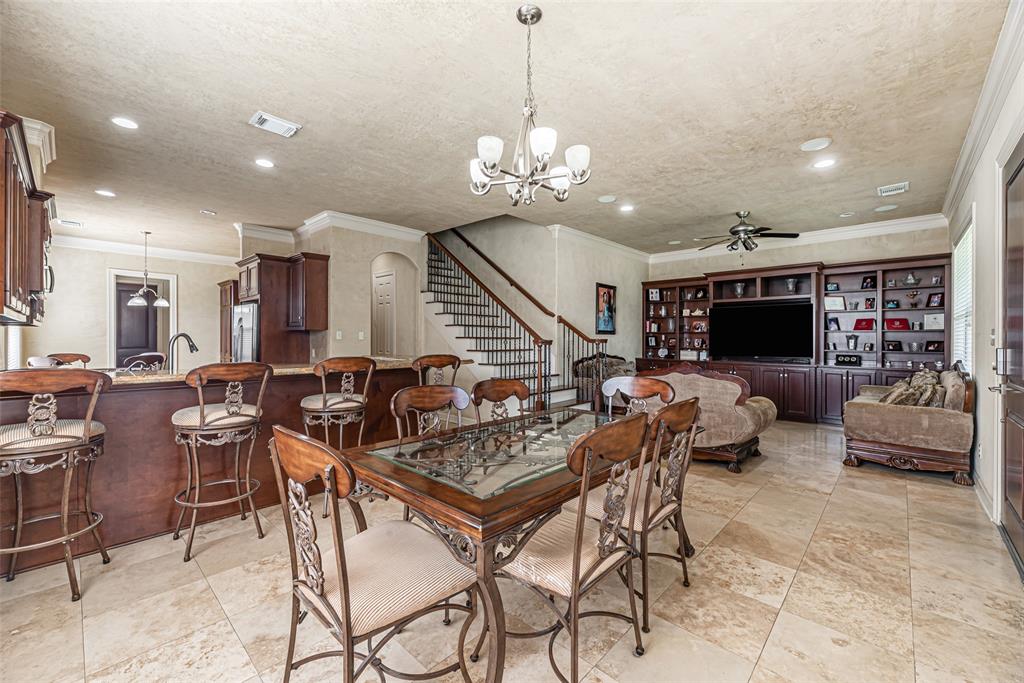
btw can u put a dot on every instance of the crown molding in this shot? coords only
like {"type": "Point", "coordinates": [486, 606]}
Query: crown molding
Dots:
{"type": "Point", "coordinates": [336, 219]}
{"type": "Point", "coordinates": [264, 232]}
{"type": "Point", "coordinates": [71, 242]}
{"type": "Point", "coordinates": [1006, 63]}
{"type": "Point", "coordinates": [41, 135]}
{"type": "Point", "coordinates": [848, 232]}
{"type": "Point", "coordinates": [558, 230]}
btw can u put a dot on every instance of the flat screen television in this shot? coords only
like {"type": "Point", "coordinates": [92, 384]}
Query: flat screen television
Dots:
{"type": "Point", "coordinates": [770, 331]}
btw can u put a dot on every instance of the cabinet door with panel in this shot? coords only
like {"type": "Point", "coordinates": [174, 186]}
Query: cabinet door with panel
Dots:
{"type": "Point", "coordinates": [770, 385]}
{"type": "Point", "coordinates": [798, 394]}
{"type": "Point", "coordinates": [858, 378]}
{"type": "Point", "coordinates": [296, 295]}
{"type": "Point", "coordinates": [889, 377]}
{"type": "Point", "coordinates": [832, 393]}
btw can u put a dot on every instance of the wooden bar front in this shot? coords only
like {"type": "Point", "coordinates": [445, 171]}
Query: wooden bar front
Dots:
{"type": "Point", "coordinates": [141, 469]}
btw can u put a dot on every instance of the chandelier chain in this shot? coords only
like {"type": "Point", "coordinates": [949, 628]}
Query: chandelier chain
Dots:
{"type": "Point", "coordinates": [530, 102]}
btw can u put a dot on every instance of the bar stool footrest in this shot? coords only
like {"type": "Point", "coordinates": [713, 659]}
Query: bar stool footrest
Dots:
{"type": "Point", "coordinates": [254, 486]}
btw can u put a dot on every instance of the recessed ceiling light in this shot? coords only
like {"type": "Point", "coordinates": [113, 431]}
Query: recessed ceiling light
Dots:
{"type": "Point", "coordinates": [124, 122]}
{"type": "Point", "coordinates": [886, 207]}
{"type": "Point", "coordinates": [105, 193]}
{"type": "Point", "coordinates": [265, 163]}
{"type": "Point", "coordinates": [208, 212]}
{"type": "Point", "coordinates": [816, 144]}
{"type": "Point", "coordinates": [606, 198]}
{"type": "Point", "coordinates": [824, 163]}
{"type": "Point", "coordinates": [675, 242]}
{"type": "Point", "coordinates": [626, 208]}
{"type": "Point", "coordinates": [846, 214]}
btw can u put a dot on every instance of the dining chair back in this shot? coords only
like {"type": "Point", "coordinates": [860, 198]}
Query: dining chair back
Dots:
{"type": "Point", "coordinates": [497, 391]}
{"type": "Point", "coordinates": [636, 391]}
{"type": "Point", "coordinates": [431, 368]}
{"type": "Point", "coordinates": [69, 358]}
{"type": "Point", "coordinates": [423, 404]}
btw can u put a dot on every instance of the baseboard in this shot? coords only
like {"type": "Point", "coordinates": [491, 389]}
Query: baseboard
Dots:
{"type": "Point", "coordinates": [985, 498]}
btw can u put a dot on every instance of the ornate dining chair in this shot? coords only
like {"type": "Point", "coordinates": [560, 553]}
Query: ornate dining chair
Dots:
{"type": "Point", "coordinates": [636, 391]}
{"type": "Point", "coordinates": [377, 583]}
{"type": "Point", "coordinates": [215, 424]}
{"type": "Point", "coordinates": [571, 553]}
{"type": "Point", "coordinates": [422, 403]}
{"type": "Point", "coordinates": [345, 406]}
{"type": "Point", "coordinates": [45, 442]}
{"type": "Point", "coordinates": [497, 391]}
{"type": "Point", "coordinates": [150, 360]}
{"type": "Point", "coordinates": [69, 358]}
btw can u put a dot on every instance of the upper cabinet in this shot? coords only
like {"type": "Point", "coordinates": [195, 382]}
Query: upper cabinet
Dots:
{"type": "Point", "coordinates": [24, 233]}
{"type": "Point", "coordinates": [307, 292]}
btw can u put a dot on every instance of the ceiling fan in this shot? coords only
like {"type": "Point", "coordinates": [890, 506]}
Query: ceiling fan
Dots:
{"type": "Point", "coordinates": [743, 234]}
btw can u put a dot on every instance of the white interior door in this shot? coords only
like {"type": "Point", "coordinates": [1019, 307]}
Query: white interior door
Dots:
{"type": "Point", "coordinates": [383, 317]}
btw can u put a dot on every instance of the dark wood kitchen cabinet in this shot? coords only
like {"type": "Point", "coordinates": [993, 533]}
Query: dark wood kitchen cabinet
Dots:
{"type": "Point", "coordinates": [228, 298]}
{"type": "Point", "coordinates": [307, 292]}
{"type": "Point", "coordinates": [249, 277]}
{"type": "Point", "coordinates": [747, 372]}
{"type": "Point", "coordinates": [791, 389]}
{"type": "Point", "coordinates": [836, 386]}
{"type": "Point", "coordinates": [24, 230]}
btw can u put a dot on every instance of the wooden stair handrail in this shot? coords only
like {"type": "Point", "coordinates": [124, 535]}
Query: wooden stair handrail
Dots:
{"type": "Point", "coordinates": [508, 278]}
{"type": "Point", "coordinates": [537, 339]}
{"type": "Point", "coordinates": [579, 333]}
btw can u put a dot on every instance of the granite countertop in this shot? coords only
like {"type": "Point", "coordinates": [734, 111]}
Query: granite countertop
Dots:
{"type": "Point", "coordinates": [280, 370]}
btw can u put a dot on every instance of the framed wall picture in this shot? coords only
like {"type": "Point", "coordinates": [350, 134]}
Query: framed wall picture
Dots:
{"type": "Point", "coordinates": [605, 308]}
{"type": "Point", "coordinates": [835, 303]}
{"type": "Point", "coordinates": [936, 300]}
{"type": "Point", "coordinates": [868, 282]}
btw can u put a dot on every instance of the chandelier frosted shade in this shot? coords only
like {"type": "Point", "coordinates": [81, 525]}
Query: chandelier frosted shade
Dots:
{"type": "Point", "coordinates": [138, 300]}
{"type": "Point", "coordinates": [542, 142]}
{"type": "Point", "coordinates": [489, 149]}
{"type": "Point", "coordinates": [577, 158]}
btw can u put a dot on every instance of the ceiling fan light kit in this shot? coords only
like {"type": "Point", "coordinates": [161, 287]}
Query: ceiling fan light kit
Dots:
{"type": "Point", "coordinates": [743, 234]}
{"type": "Point", "coordinates": [531, 161]}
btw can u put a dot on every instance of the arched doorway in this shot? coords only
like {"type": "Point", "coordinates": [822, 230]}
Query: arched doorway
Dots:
{"type": "Point", "coordinates": [394, 303]}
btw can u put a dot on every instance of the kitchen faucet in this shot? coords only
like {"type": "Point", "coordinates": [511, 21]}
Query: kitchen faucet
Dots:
{"type": "Point", "coordinates": [192, 348]}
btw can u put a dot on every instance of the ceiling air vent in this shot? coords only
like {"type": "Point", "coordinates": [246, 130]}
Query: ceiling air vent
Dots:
{"type": "Point", "coordinates": [274, 124]}
{"type": "Point", "coordinates": [895, 188]}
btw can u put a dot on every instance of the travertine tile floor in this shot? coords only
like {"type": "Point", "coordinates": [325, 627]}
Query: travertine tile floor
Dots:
{"type": "Point", "coordinates": [805, 571]}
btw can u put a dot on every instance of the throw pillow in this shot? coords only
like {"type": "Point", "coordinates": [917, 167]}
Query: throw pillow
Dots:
{"type": "Point", "coordinates": [932, 396]}
{"type": "Point", "coordinates": [924, 378]}
{"type": "Point", "coordinates": [902, 394]}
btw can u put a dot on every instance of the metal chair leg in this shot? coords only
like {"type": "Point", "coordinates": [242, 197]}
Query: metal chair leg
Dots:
{"type": "Point", "coordinates": [238, 479]}
{"type": "Point", "coordinates": [645, 581]}
{"type": "Point", "coordinates": [188, 492]}
{"type": "Point", "coordinates": [88, 510]}
{"type": "Point", "coordinates": [19, 520]}
{"type": "Point", "coordinates": [248, 487]}
{"type": "Point", "coordinates": [65, 529]}
{"type": "Point", "coordinates": [684, 543]}
{"type": "Point", "coordinates": [639, 650]}
{"type": "Point", "coordinates": [193, 450]}
{"type": "Point", "coordinates": [292, 630]}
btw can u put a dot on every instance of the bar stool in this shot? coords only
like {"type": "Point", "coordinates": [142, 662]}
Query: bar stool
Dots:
{"type": "Point", "coordinates": [217, 424]}
{"type": "Point", "coordinates": [344, 407]}
{"type": "Point", "coordinates": [497, 391]}
{"type": "Point", "coordinates": [69, 358]}
{"type": "Point", "coordinates": [45, 442]}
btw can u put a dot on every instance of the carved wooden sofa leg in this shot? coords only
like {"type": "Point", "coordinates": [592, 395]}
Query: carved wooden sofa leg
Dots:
{"type": "Point", "coordinates": [851, 461]}
{"type": "Point", "coordinates": [734, 454]}
{"type": "Point", "coordinates": [963, 478]}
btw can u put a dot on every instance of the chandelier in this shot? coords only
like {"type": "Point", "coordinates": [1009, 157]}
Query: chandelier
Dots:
{"type": "Point", "coordinates": [531, 161]}
{"type": "Point", "coordinates": [139, 298]}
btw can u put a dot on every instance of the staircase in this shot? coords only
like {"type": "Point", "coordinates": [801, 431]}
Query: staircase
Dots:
{"type": "Point", "coordinates": [500, 341]}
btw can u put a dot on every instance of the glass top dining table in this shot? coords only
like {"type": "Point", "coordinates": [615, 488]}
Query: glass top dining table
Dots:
{"type": "Point", "coordinates": [494, 458]}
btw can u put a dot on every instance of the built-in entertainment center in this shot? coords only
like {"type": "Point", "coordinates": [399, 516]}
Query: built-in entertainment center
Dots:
{"type": "Point", "coordinates": [807, 336]}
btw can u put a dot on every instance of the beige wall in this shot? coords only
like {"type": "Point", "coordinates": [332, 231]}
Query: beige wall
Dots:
{"type": "Point", "coordinates": [915, 243]}
{"type": "Point", "coordinates": [256, 245]}
{"type": "Point", "coordinates": [76, 312]}
{"type": "Point", "coordinates": [983, 197]}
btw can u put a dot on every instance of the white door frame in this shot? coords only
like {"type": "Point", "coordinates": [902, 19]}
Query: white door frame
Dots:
{"type": "Point", "coordinates": [172, 298]}
{"type": "Point", "coordinates": [394, 306]}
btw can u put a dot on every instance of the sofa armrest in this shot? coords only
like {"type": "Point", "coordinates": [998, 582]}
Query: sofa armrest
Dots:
{"type": "Point", "coordinates": [873, 390]}
{"type": "Point", "coordinates": [934, 428]}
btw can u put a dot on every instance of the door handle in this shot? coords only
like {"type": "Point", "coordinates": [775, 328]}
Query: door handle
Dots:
{"type": "Point", "coordinates": [1005, 389]}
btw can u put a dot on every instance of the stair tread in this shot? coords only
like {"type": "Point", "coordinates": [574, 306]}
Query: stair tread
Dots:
{"type": "Point", "coordinates": [512, 350]}
{"type": "Point", "coordinates": [491, 327]}
{"type": "Point", "coordinates": [475, 337]}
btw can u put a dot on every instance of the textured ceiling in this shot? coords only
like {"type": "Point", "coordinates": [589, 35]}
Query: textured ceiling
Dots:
{"type": "Point", "coordinates": [693, 110]}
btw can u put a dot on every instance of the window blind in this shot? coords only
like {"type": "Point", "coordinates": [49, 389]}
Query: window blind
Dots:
{"type": "Point", "coordinates": [963, 299]}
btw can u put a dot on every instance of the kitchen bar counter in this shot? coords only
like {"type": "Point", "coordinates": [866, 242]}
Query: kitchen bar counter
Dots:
{"type": "Point", "coordinates": [142, 468]}
{"type": "Point", "coordinates": [121, 377]}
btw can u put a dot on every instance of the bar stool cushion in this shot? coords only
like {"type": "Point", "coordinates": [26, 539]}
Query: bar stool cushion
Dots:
{"type": "Point", "coordinates": [338, 402]}
{"type": "Point", "coordinates": [394, 569]}
{"type": "Point", "coordinates": [216, 415]}
{"type": "Point", "coordinates": [546, 560]}
{"type": "Point", "coordinates": [16, 438]}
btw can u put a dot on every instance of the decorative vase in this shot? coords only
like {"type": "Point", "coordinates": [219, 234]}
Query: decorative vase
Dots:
{"type": "Point", "coordinates": [739, 288]}
{"type": "Point", "coordinates": [791, 283]}
{"type": "Point", "coordinates": [912, 298]}
{"type": "Point", "coordinates": [911, 281]}
{"type": "Point", "coordinates": [915, 347]}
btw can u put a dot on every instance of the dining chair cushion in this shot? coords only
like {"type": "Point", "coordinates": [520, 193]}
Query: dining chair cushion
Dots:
{"type": "Point", "coordinates": [216, 415]}
{"type": "Point", "coordinates": [16, 438]}
{"type": "Point", "coordinates": [546, 560]}
{"type": "Point", "coordinates": [334, 402]}
{"type": "Point", "coordinates": [394, 570]}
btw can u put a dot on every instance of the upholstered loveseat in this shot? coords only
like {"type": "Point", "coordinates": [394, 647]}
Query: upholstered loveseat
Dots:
{"type": "Point", "coordinates": [732, 419]}
{"type": "Point", "coordinates": [936, 436]}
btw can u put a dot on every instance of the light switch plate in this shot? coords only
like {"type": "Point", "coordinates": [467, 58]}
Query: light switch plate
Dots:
{"type": "Point", "coordinates": [337, 335]}
{"type": "Point", "coordinates": [362, 335]}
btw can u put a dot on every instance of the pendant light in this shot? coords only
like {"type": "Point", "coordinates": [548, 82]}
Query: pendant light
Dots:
{"type": "Point", "coordinates": [139, 298]}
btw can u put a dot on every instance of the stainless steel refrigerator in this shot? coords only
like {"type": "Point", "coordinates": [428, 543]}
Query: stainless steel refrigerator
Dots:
{"type": "Point", "coordinates": [245, 333]}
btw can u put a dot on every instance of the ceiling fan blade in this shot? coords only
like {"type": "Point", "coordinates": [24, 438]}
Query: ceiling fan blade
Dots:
{"type": "Point", "coordinates": [758, 231]}
{"type": "Point", "coordinates": [711, 237]}
{"type": "Point", "coordinates": [714, 244]}
{"type": "Point", "coordinates": [788, 235]}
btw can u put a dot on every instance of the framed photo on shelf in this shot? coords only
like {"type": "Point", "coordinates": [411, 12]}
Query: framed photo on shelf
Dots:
{"type": "Point", "coordinates": [652, 341]}
{"type": "Point", "coordinates": [605, 305]}
{"type": "Point", "coordinates": [935, 346]}
{"type": "Point", "coordinates": [936, 300]}
{"type": "Point", "coordinates": [869, 346]}
{"type": "Point", "coordinates": [701, 294]}
{"type": "Point", "coordinates": [864, 324]}
{"type": "Point", "coordinates": [831, 286]}
{"type": "Point", "coordinates": [833, 324]}
{"type": "Point", "coordinates": [869, 303]}
{"type": "Point", "coordinates": [934, 321]}
{"type": "Point", "coordinates": [869, 282]}
{"type": "Point", "coordinates": [654, 295]}
{"type": "Point", "coordinates": [897, 324]}
{"type": "Point", "coordinates": [835, 303]}
{"type": "Point", "coordinates": [893, 346]}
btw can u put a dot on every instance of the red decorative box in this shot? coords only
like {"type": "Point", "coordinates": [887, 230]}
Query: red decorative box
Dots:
{"type": "Point", "coordinates": [897, 324]}
{"type": "Point", "coordinates": [864, 324]}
